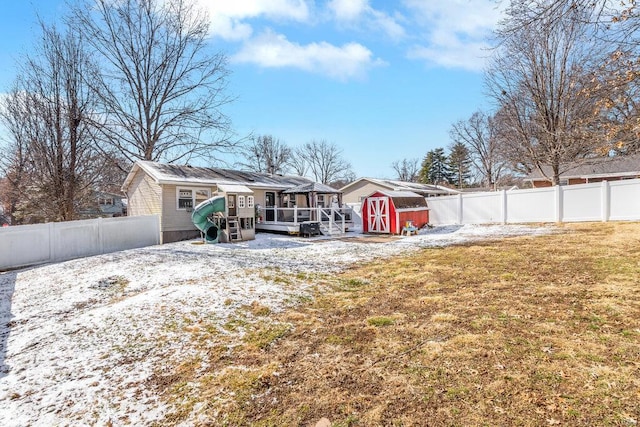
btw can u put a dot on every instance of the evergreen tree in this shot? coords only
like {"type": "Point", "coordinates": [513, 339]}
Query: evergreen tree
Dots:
{"type": "Point", "coordinates": [459, 164]}
{"type": "Point", "coordinates": [435, 168]}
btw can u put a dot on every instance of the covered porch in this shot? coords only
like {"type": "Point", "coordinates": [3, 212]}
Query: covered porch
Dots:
{"type": "Point", "coordinates": [305, 204]}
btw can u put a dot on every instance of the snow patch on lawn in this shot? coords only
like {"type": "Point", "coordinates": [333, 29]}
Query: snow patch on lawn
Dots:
{"type": "Point", "coordinates": [79, 340]}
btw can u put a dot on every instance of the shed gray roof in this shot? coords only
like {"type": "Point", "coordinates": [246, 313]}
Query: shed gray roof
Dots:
{"type": "Point", "coordinates": [597, 167]}
{"type": "Point", "coordinates": [181, 174]}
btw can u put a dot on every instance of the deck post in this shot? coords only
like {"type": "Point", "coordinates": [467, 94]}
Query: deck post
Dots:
{"type": "Point", "coordinates": [295, 214]}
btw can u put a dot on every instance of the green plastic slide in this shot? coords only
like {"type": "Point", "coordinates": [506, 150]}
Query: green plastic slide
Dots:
{"type": "Point", "coordinates": [200, 217]}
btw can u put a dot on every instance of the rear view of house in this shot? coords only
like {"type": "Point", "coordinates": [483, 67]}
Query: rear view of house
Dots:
{"type": "Point", "coordinates": [251, 202]}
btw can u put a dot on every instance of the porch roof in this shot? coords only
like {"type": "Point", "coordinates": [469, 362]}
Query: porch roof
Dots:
{"type": "Point", "coordinates": [234, 188]}
{"type": "Point", "coordinates": [312, 187]}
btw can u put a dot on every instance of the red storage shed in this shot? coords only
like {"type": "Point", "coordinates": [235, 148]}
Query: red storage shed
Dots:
{"type": "Point", "coordinates": [389, 211]}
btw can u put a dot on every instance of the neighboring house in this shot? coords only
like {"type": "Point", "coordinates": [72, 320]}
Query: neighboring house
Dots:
{"type": "Point", "coordinates": [111, 204]}
{"type": "Point", "coordinates": [277, 203]}
{"type": "Point", "coordinates": [356, 191]}
{"type": "Point", "coordinates": [106, 205]}
{"type": "Point", "coordinates": [591, 170]}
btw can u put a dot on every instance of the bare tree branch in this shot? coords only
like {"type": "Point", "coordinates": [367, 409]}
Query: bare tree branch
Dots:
{"type": "Point", "coordinates": [161, 88]}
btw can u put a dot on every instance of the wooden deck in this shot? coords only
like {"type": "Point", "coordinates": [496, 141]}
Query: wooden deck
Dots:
{"type": "Point", "coordinates": [288, 220]}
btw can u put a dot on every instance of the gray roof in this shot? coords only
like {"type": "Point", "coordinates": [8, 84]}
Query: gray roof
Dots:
{"type": "Point", "coordinates": [596, 167]}
{"type": "Point", "coordinates": [314, 187]}
{"type": "Point", "coordinates": [181, 174]}
{"type": "Point", "coordinates": [416, 187]}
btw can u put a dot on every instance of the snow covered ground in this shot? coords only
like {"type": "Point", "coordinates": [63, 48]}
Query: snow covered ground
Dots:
{"type": "Point", "coordinates": [79, 339]}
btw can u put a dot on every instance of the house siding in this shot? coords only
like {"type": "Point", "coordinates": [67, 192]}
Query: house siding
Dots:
{"type": "Point", "coordinates": [178, 219]}
{"type": "Point", "coordinates": [360, 191]}
{"type": "Point", "coordinates": [541, 184]}
{"type": "Point", "coordinates": [144, 196]}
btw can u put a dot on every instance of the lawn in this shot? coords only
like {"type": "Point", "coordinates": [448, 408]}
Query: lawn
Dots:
{"type": "Point", "coordinates": [521, 331]}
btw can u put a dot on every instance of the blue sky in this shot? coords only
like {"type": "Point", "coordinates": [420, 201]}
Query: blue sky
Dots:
{"type": "Point", "coordinates": [383, 80]}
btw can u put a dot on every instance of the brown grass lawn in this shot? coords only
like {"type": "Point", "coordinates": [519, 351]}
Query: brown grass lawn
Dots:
{"type": "Point", "coordinates": [527, 331]}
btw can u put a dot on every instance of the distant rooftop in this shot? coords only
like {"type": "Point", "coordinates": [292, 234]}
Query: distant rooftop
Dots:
{"type": "Point", "coordinates": [416, 187]}
{"type": "Point", "coordinates": [600, 167]}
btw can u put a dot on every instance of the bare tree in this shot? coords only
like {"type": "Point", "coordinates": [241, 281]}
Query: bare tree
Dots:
{"type": "Point", "coordinates": [53, 158]}
{"type": "Point", "coordinates": [14, 163]}
{"type": "Point", "coordinates": [407, 169]}
{"type": "Point", "coordinates": [324, 161]}
{"type": "Point", "coordinates": [266, 154]}
{"type": "Point", "coordinates": [478, 134]}
{"type": "Point", "coordinates": [539, 78]}
{"type": "Point", "coordinates": [298, 164]}
{"type": "Point", "coordinates": [161, 88]}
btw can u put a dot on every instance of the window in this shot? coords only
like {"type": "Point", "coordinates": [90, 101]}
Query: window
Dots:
{"type": "Point", "coordinates": [241, 202]}
{"type": "Point", "coordinates": [105, 201]}
{"type": "Point", "coordinates": [321, 201]}
{"type": "Point", "coordinates": [185, 199]}
{"type": "Point", "coordinates": [250, 202]}
{"type": "Point", "coordinates": [190, 197]}
{"type": "Point", "coordinates": [246, 223]}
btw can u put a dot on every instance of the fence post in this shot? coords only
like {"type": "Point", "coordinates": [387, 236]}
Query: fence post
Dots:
{"type": "Point", "coordinates": [605, 200]}
{"type": "Point", "coordinates": [52, 248]}
{"type": "Point", "coordinates": [504, 207]}
{"type": "Point", "coordinates": [558, 194]}
{"type": "Point", "coordinates": [460, 216]}
{"type": "Point", "coordinates": [100, 235]}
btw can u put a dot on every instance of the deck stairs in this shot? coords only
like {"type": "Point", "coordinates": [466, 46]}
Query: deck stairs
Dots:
{"type": "Point", "coordinates": [332, 227]}
{"type": "Point", "coordinates": [235, 232]}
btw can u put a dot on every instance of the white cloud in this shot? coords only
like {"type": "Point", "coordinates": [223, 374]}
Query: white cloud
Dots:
{"type": "Point", "coordinates": [227, 16]}
{"type": "Point", "coordinates": [465, 56]}
{"type": "Point", "coordinates": [360, 12]}
{"type": "Point", "coordinates": [455, 31]}
{"type": "Point", "coordinates": [272, 50]}
{"type": "Point", "coordinates": [348, 10]}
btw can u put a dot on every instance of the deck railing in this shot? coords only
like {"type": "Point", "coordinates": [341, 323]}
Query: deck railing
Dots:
{"type": "Point", "coordinates": [295, 215]}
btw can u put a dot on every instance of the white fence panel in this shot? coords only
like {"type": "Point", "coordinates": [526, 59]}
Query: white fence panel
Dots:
{"type": "Point", "coordinates": [582, 202]}
{"type": "Point", "coordinates": [482, 208]}
{"type": "Point", "coordinates": [24, 245]}
{"type": "Point", "coordinates": [604, 201]}
{"type": "Point", "coordinates": [624, 200]}
{"type": "Point", "coordinates": [443, 210]}
{"type": "Point", "coordinates": [537, 205]}
{"type": "Point", "coordinates": [130, 232]}
{"type": "Point", "coordinates": [74, 239]}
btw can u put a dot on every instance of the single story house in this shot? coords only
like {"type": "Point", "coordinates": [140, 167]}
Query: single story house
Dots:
{"type": "Point", "coordinates": [595, 169]}
{"type": "Point", "coordinates": [356, 191]}
{"type": "Point", "coordinates": [276, 202]}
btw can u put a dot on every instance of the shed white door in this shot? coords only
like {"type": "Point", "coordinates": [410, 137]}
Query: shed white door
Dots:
{"type": "Point", "coordinates": [378, 217]}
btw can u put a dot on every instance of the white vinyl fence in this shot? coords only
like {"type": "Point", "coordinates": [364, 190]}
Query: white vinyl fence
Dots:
{"type": "Point", "coordinates": [23, 245]}
{"type": "Point", "coordinates": [602, 201]}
